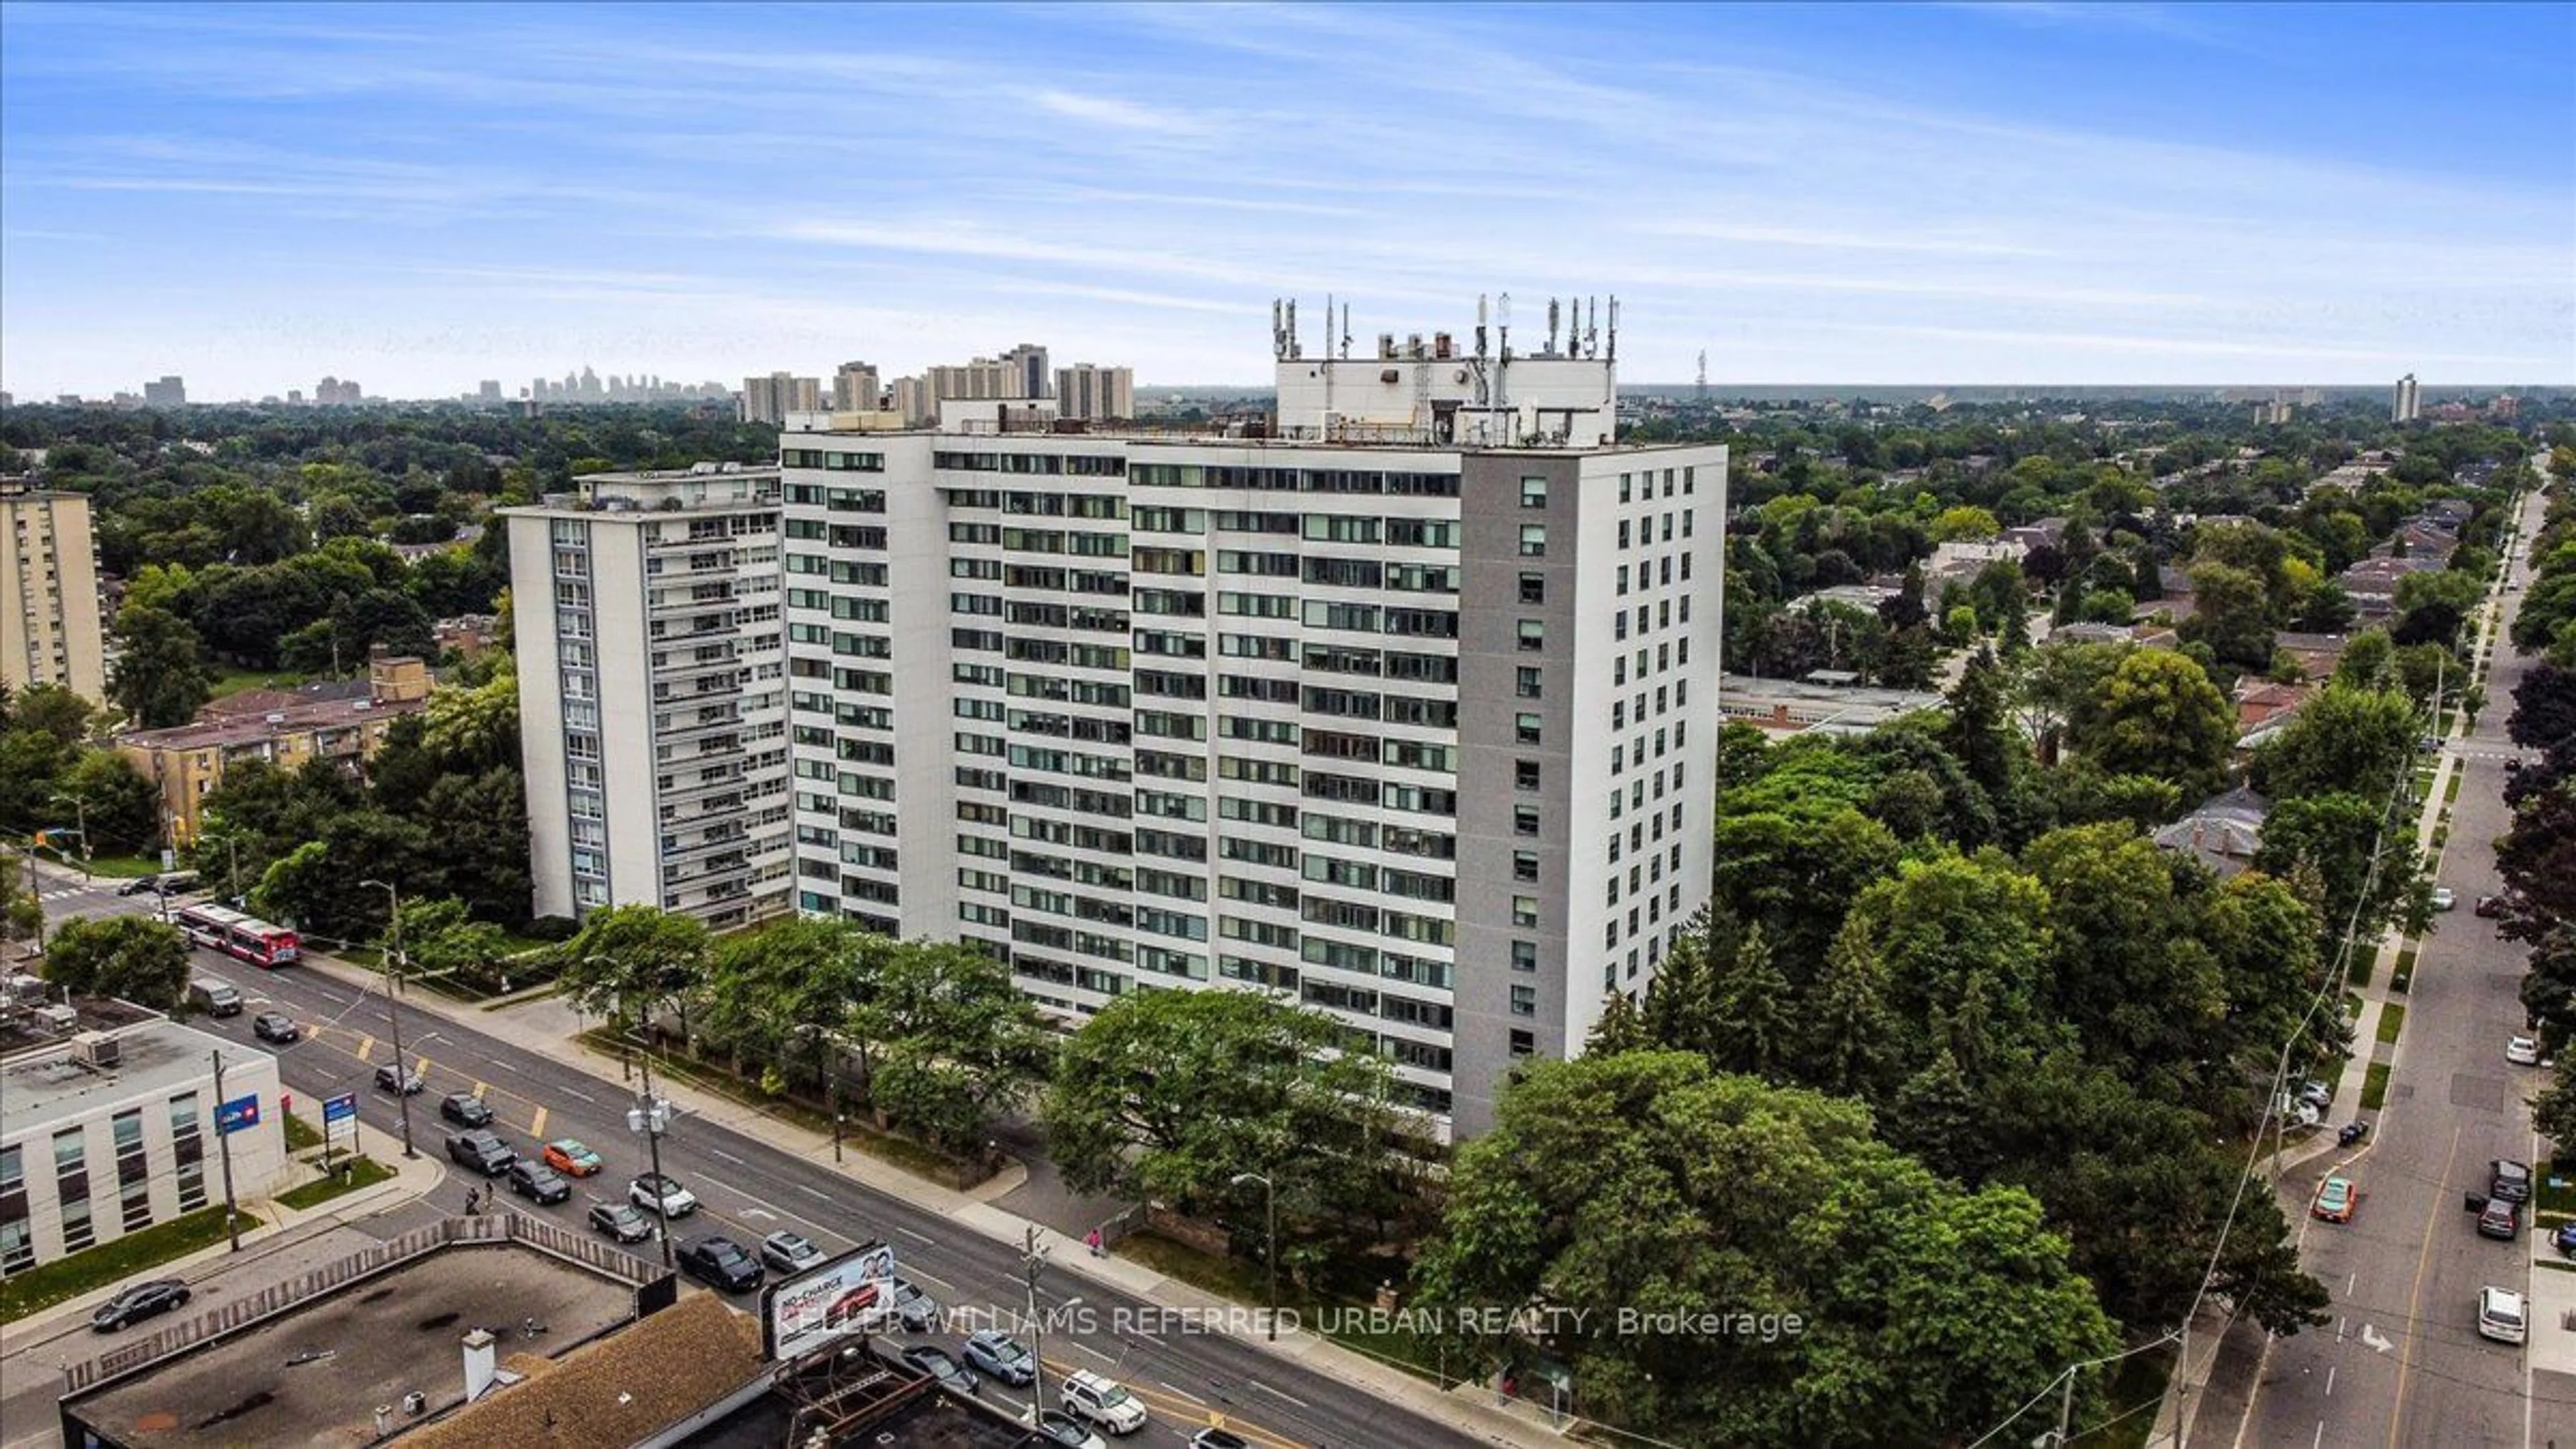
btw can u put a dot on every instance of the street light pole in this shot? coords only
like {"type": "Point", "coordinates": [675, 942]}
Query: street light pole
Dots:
{"type": "Point", "coordinates": [1032, 1257]}
{"type": "Point", "coordinates": [650, 1117]}
{"type": "Point", "coordinates": [393, 1008]}
{"type": "Point", "coordinates": [224, 1149]}
{"type": "Point", "coordinates": [1270, 1212]}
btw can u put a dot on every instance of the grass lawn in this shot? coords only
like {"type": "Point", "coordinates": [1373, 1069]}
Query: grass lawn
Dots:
{"type": "Point", "coordinates": [362, 1172]}
{"type": "Point", "coordinates": [301, 1134]}
{"type": "Point", "coordinates": [109, 1264]}
{"type": "Point", "coordinates": [2374, 1087]}
{"type": "Point", "coordinates": [2130, 1401]}
{"type": "Point", "coordinates": [1247, 1282]}
{"type": "Point", "coordinates": [229, 682]}
{"type": "Point", "coordinates": [2392, 1020]}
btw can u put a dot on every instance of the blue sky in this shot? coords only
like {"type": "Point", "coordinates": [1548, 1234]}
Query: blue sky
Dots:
{"type": "Point", "coordinates": [422, 197]}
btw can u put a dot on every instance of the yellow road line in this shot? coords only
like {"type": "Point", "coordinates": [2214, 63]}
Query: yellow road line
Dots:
{"type": "Point", "coordinates": [537, 1129]}
{"type": "Point", "coordinates": [481, 1087]}
{"type": "Point", "coordinates": [366, 1048]}
{"type": "Point", "coordinates": [2415, 1300]}
{"type": "Point", "coordinates": [422, 1067]}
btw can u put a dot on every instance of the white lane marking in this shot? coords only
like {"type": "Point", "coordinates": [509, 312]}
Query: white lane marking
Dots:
{"type": "Point", "coordinates": [1292, 1398]}
{"type": "Point", "coordinates": [918, 1277]}
{"type": "Point", "coordinates": [1173, 1388]}
{"type": "Point", "coordinates": [753, 1212]}
{"type": "Point", "coordinates": [916, 1237]}
{"type": "Point", "coordinates": [2374, 1340]}
{"type": "Point", "coordinates": [813, 1192]}
{"type": "Point", "coordinates": [579, 1095]}
{"type": "Point", "coordinates": [2330, 1373]}
{"type": "Point", "coordinates": [433, 1036]}
{"type": "Point", "coordinates": [506, 1065]}
{"type": "Point", "coordinates": [727, 1156]}
{"type": "Point", "coordinates": [2321, 1435]}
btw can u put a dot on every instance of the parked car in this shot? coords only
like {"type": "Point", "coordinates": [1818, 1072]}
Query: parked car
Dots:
{"type": "Point", "coordinates": [2509, 1180]}
{"type": "Point", "coordinates": [1102, 1401]}
{"type": "Point", "coordinates": [2316, 1094]}
{"type": "Point", "coordinates": [2444, 898]}
{"type": "Point", "coordinates": [2335, 1201]}
{"type": "Point", "coordinates": [2500, 1219]}
{"type": "Point", "coordinates": [2522, 1051]}
{"type": "Point", "coordinates": [465, 1109]}
{"type": "Point", "coordinates": [276, 1026]}
{"type": "Point", "coordinates": [166, 883]}
{"type": "Point", "coordinates": [789, 1252]}
{"type": "Point", "coordinates": [917, 1311]}
{"type": "Point", "coordinates": [661, 1193]}
{"type": "Point", "coordinates": [483, 1150]}
{"type": "Point", "coordinates": [532, 1179]}
{"type": "Point", "coordinates": [621, 1220]}
{"type": "Point", "coordinates": [2501, 1317]}
{"type": "Point", "coordinates": [998, 1355]}
{"type": "Point", "coordinates": [141, 1301]}
{"type": "Point", "coordinates": [721, 1264]}
{"type": "Point", "coordinates": [399, 1079]}
{"type": "Point", "coordinates": [569, 1157]}
{"type": "Point", "coordinates": [1218, 1439]}
{"type": "Point", "coordinates": [1068, 1432]}
{"type": "Point", "coordinates": [2564, 1240]}
{"type": "Point", "coordinates": [942, 1368]}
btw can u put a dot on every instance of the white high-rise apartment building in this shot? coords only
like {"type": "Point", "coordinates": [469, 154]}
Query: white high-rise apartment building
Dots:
{"type": "Point", "coordinates": [1095, 393]}
{"type": "Point", "coordinates": [855, 388]}
{"type": "Point", "coordinates": [652, 699]}
{"type": "Point", "coordinates": [2408, 403]}
{"type": "Point", "coordinates": [1402, 708]}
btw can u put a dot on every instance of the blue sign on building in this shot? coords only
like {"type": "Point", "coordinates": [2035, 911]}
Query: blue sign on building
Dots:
{"type": "Point", "coordinates": [339, 1108]}
{"type": "Point", "coordinates": [237, 1114]}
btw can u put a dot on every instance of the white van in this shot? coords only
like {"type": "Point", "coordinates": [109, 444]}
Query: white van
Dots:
{"type": "Point", "coordinates": [2501, 1316]}
{"type": "Point", "coordinates": [214, 998]}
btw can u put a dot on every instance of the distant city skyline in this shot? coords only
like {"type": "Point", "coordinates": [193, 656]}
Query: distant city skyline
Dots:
{"type": "Point", "coordinates": [427, 197]}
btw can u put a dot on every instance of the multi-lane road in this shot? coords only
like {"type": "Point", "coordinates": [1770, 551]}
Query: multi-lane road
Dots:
{"type": "Point", "coordinates": [751, 1188]}
{"type": "Point", "coordinates": [2399, 1361]}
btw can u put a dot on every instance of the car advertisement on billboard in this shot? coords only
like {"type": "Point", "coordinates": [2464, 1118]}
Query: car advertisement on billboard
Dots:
{"type": "Point", "coordinates": [849, 1295]}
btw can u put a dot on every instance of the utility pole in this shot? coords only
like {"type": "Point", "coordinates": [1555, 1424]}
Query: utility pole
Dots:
{"type": "Point", "coordinates": [224, 1150]}
{"type": "Point", "coordinates": [35, 891]}
{"type": "Point", "coordinates": [651, 1116]}
{"type": "Point", "coordinates": [393, 1008]}
{"type": "Point", "coordinates": [1033, 1257]}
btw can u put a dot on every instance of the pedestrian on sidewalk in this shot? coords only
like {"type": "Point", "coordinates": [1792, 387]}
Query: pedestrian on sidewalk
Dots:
{"type": "Point", "coordinates": [473, 1202]}
{"type": "Point", "coordinates": [1092, 1240]}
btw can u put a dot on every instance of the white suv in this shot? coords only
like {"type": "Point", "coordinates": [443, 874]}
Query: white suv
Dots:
{"type": "Point", "coordinates": [2500, 1315]}
{"type": "Point", "coordinates": [1089, 1396]}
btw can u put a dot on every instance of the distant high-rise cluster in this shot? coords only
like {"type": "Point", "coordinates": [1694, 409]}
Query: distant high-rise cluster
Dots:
{"type": "Point", "coordinates": [169, 392]}
{"type": "Point", "coordinates": [331, 392]}
{"type": "Point", "coordinates": [2408, 404]}
{"type": "Point", "coordinates": [1022, 374]}
{"type": "Point", "coordinates": [587, 386]}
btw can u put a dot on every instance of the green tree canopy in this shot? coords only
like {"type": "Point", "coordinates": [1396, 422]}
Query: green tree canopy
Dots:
{"type": "Point", "coordinates": [2157, 714]}
{"type": "Point", "coordinates": [133, 958]}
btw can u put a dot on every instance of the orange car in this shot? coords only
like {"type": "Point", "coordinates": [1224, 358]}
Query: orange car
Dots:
{"type": "Point", "coordinates": [570, 1158]}
{"type": "Point", "coordinates": [2336, 1198]}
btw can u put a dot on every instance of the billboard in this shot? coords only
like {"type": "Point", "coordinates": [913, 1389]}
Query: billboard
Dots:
{"type": "Point", "coordinates": [848, 1295]}
{"type": "Point", "coordinates": [236, 1115]}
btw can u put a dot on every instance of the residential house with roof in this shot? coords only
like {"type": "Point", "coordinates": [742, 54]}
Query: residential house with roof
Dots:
{"type": "Point", "coordinates": [2223, 834]}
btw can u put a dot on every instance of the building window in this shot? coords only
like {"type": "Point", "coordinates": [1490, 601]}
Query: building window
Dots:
{"type": "Point", "coordinates": [1527, 679]}
{"type": "Point", "coordinates": [1525, 727]}
{"type": "Point", "coordinates": [1533, 492]}
{"type": "Point", "coordinates": [1525, 865]}
{"type": "Point", "coordinates": [1524, 910]}
{"type": "Point", "coordinates": [1524, 1044]}
{"type": "Point", "coordinates": [1534, 540]}
{"type": "Point", "coordinates": [1623, 533]}
{"type": "Point", "coordinates": [1533, 588]}
{"type": "Point", "coordinates": [1525, 955]}
{"type": "Point", "coordinates": [1525, 820]}
{"type": "Point", "coordinates": [1524, 1001]}
{"type": "Point", "coordinates": [1623, 487]}
{"type": "Point", "coordinates": [1533, 635]}
{"type": "Point", "coordinates": [1525, 774]}
{"type": "Point", "coordinates": [1623, 579]}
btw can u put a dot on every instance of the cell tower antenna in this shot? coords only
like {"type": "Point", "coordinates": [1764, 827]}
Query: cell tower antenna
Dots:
{"type": "Point", "coordinates": [1703, 374]}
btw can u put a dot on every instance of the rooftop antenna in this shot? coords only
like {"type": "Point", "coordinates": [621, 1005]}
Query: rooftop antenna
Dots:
{"type": "Point", "coordinates": [1481, 315]}
{"type": "Point", "coordinates": [1703, 374]}
{"type": "Point", "coordinates": [1294, 350]}
{"type": "Point", "coordinates": [1551, 325]}
{"type": "Point", "coordinates": [1592, 327]}
{"type": "Point", "coordinates": [1278, 333]}
{"type": "Point", "coordinates": [1614, 328]}
{"type": "Point", "coordinates": [1346, 328]}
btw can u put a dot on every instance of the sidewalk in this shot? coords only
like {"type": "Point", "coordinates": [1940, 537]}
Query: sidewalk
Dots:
{"type": "Point", "coordinates": [280, 1240]}
{"type": "Point", "coordinates": [551, 1027]}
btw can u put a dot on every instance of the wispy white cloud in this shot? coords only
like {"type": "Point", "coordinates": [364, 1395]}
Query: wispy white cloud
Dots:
{"type": "Point", "coordinates": [1119, 113]}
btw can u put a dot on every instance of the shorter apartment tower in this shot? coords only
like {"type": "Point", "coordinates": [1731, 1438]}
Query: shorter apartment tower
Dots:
{"type": "Point", "coordinates": [109, 1132]}
{"type": "Point", "coordinates": [652, 701]}
{"type": "Point", "coordinates": [49, 624]}
{"type": "Point", "coordinates": [1400, 706]}
{"type": "Point", "coordinates": [344, 722]}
